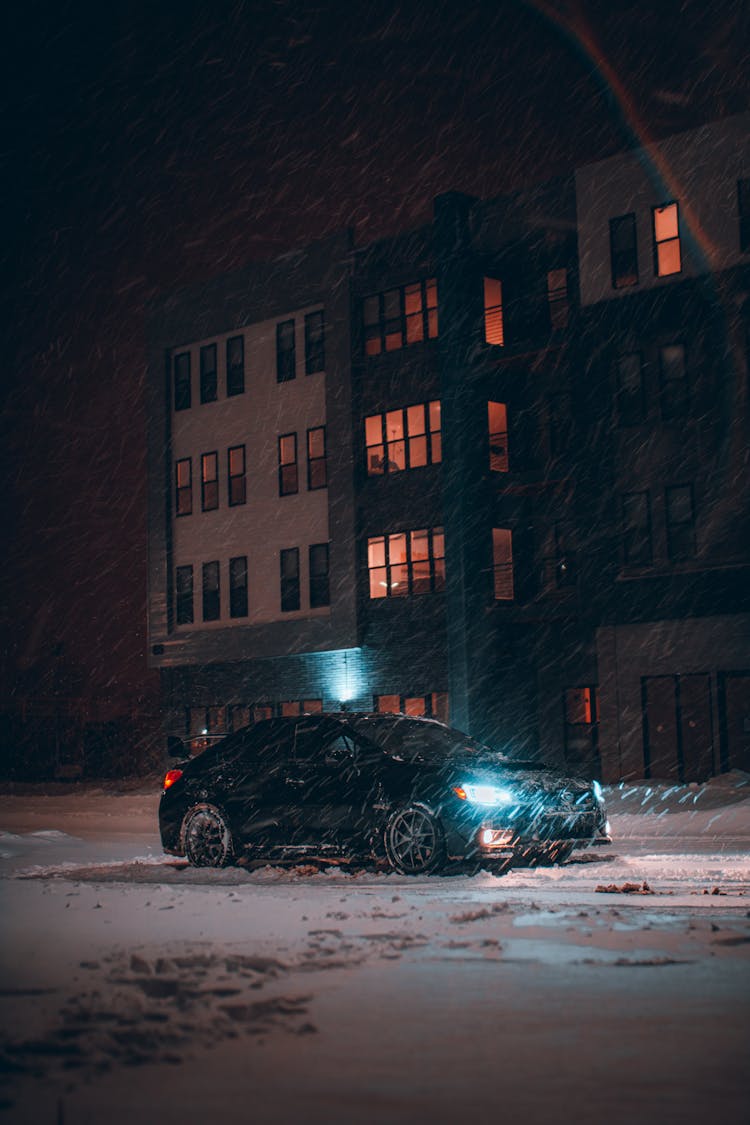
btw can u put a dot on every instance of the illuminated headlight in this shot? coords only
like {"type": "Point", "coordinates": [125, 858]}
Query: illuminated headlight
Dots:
{"type": "Point", "coordinates": [598, 792]}
{"type": "Point", "coordinates": [483, 794]}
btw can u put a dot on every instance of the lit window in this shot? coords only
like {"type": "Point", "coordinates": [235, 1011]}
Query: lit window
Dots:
{"type": "Point", "coordinates": [211, 595]}
{"type": "Point", "coordinates": [184, 487]}
{"type": "Point", "coordinates": [184, 595]}
{"type": "Point", "coordinates": [208, 373]}
{"type": "Point", "coordinates": [209, 481]}
{"type": "Point", "coordinates": [680, 521]}
{"type": "Point", "coordinates": [743, 213]}
{"type": "Point", "coordinates": [235, 365]}
{"type": "Point", "coordinates": [286, 361]}
{"type": "Point", "coordinates": [434, 704]}
{"type": "Point", "coordinates": [238, 586]}
{"type": "Point", "coordinates": [406, 563]}
{"type": "Point", "coordinates": [494, 330]}
{"type": "Point", "coordinates": [289, 572]}
{"type": "Point", "coordinates": [502, 564]}
{"type": "Point", "coordinates": [636, 529]}
{"type": "Point", "coordinates": [239, 716]}
{"type": "Point", "coordinates": [315, 354]}
{"type": "Point", "coordinates": [403, 439]}
{"type": "Point", "coordinates": [399, 317]}
{"type": "Point", "coordinates": [317, 465]}
{"type": "Point", "coordinates": [557, 297]}
{"type": "Point", "coordinates": [288, 475]}
{"type": "Point", "coordinates": [318, 568]}
{"type": "Point", "coordinates": [182, 381]}
{"type": "Point", "coordinates": [623, 251]}
{"type": "Point", "coordinates": [581, 706]}
{"type": "Point", "coordinates": [630, 400]}
{"type": "Point", "coordinates": [236, 472]}
{"type": "Point", "coordinates": [667, 258]}
{"type": "Point", "coordinates": [497, 416]}
{"type": "Point", "coordinates": [674, 383]}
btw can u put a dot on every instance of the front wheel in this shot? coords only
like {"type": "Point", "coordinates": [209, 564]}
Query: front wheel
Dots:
{"type": "Point", "coordinates": [206, 839]}
{"type": "Point", "coordinates": [414, 841]}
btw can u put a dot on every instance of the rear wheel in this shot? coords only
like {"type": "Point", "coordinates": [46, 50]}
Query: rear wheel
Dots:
{"type": "Point", "coordinates": [206, 839]}
{"type": "Point", "coordinates": [414, 841]}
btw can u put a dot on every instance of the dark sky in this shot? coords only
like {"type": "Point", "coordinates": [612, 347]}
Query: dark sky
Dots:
{"type": "Point", "coordinates": [170, 142]}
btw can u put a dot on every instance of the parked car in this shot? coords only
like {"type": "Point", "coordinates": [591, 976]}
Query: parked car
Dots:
{"type": "Point", "coordinates": [412, 792]}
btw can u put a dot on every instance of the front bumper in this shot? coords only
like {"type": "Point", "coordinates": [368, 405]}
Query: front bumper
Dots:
{"type": "Point", "coordinates": [516, 830]}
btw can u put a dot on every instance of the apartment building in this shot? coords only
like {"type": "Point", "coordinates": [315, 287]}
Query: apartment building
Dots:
{"type": "Point", "coordinates": [425, 475]}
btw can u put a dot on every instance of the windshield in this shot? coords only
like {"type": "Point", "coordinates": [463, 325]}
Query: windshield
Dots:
{"type": "Point", "coordinates": [411, 740]}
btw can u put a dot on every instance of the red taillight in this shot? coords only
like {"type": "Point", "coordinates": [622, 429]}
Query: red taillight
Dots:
{"type": "Point", "coordinates": [171, 777]}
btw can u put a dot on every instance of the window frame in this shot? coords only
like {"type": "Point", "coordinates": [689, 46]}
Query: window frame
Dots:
{"type": "Point", "coordinates": [628, 416]}
{"type": "Point", "coordinates": [658, 243]}
{"type": "Point", "coordinates": [675, 528]}
{"type": "Point", "coordinates": [181, 490]}
{"type": "Point", "coordinates": [313, 463]}
{"type": "Point", "coordinates": [391, 329]}
{"type": "Point", "coordinates": [234, 502]}
{"type": "Point", "coordinates": [238, 590]}
{"type": "Point", "coordinates": [290, 586]}
{"type": "Point", "coordinates": [319, 579]}
{"type": "Point", "coordinates": [431, 435]}
{"type": "Point", "coordinates": [629, 560]}
{"type": "Point", "coordinates": [435, 559]}
{"type": "Point", "coordinates": [209, 504]}
{"type": "Point", "coordinates": [288, 480]}
{"type": "Point", "coordinates": [184, 596]}
{"type": "Point", "coordinates": [211, 591]}
{"type": "Point", "coordinates": [182, 382]}
{"type": "Point", "coordinates": [494, 312]}
{"type": "Point", "coordinates": [315, 345]}
{"type": "Point", "coordinates": [498, 452]}
{"type": "Point", "coordinates": [503, 568]}
{"type": "Point", "coordinates": [235, 384]}
{"type": "Point", "coordinates": [286, 357]}
{"type": "Point", "coordinates": [673, 406]}
{"type": "Point", "coordinates": [209, 376]}
{"type": "Point", "coordinates": [558, 299]}
{"type": "Point", "coordinates": [622, 278]}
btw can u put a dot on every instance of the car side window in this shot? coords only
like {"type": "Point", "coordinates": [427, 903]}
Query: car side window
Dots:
{"type": "Point", "coordinates": [339, 750]}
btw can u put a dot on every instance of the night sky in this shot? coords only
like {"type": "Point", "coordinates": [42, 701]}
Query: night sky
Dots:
{"type": "Point", "coordinates": [171, 142]}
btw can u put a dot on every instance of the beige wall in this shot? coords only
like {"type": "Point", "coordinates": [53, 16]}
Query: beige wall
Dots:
{"type": "Point", "coordinates": [267, 523]}
{"type": "Point", "coordinates": [700, 170]}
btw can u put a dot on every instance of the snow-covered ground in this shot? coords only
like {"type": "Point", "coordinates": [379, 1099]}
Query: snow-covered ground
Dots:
{"type": "Point", "coordinates": [615, 988]}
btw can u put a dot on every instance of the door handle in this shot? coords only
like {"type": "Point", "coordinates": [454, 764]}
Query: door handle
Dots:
{"type": "Point", "coordinates": [296, 781]}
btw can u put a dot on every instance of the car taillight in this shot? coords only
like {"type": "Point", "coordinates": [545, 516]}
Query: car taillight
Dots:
{"type": "Point", "coordinates": [171, 777]}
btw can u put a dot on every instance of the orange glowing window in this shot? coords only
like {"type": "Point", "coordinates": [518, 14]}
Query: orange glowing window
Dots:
{"type": "Point", "coordinates": [317, 462]}
{"type": "Point", "coordinates": [209, 481]}
{"type": "Point", "coordinates": [581, 706]}
{"type": "Point", "coordinates": [502, 563]}
{"type": "Point", "coordinates": [183, 487]}
{"type": "Point", "coordinates": [406, 563]}
{"type": "Point", "coordinates": [497, 417]}
{"type": "Point", "coordinates": [400, 317]}
{"type": "Point", "coordinates": [403, 439]}
{"type": "Point", "coordinates": [236, 475]}
{"type": "Point", "coordinates": [667, 256]}
{"type": "Point", "coordinates": [494, 330]}
{"type": "Point", "coordinates": [288, 473]}
{"type": "Point", "coordinates": [388, 704]}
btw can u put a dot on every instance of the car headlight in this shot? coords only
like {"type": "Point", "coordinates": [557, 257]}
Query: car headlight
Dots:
{"type": "Point", "coordinates": [483, 794]}
{"type": "Point", "coordinates": [598, 792]}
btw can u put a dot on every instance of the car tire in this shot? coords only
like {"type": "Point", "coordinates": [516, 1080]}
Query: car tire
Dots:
{"type": "Point", "coordinates": [414, 841]}
{"type": "Point", "coordinates": [206, 838]}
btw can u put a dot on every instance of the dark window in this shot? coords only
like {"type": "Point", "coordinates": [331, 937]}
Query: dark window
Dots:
{"type": "Point", "coordinates": [557, 297]}
{"type": "Point", "coordinates": [560, 423]}
{"type": "Point", "coordinates": [211, 597]}
{"type": "Point", "coordinates": [559, 569]}
{"type": "Point", "coordinates": [184, 487]}
{"type": "Point", "coordinates": [636, 529]}
{"type": "Point", "coordinates": [182, 381]}
{"type": "Point", "coordinates": [743, 212]}
{"type": "Point", "coordinates": [317, 465]}
{"type": "Point", "coordinates": [289, 568]}
{"type": "Point", "coordinates": [401, 439]}
{"type": "Point", "coordinates": [184, 595]}
{"type": "Point", "coordinates": [406, 562]}
{"type": "Point", "coordinates": [208, 373]}
{"type": "Point", "coordinates": [209, 481]}
{"type": "Point", "coordinates": [630, 400]}
{"type": "Point", "coordinates": [238, 586]}
{"type": "Point", "coordinates": [400, 317]}
{"type": "Point", "coordinates": [236, 473]}
{"type": "Point", "coordinates": [680, 521]}
{"type": "Point", "coordinates": [235, 365]}
{"type": "Point", "coordinates": [667, 257]}
{"type": "Point", "coordinates": [288, 474]}
{"type": "Point", "coordinates": [494, 323]}
{"type": "Point", "coordinates": [286, 361]}
{"type": "Point", "coordinates": [315, 350]}
{"type": "Point", "coordinates": [674, 383]}
{"type": "Point", "coordinates": [319, 584]}
{"type": "Point", "coordinates": [623, 250]}
{"type": "Point", "coordinates": [497, 419]}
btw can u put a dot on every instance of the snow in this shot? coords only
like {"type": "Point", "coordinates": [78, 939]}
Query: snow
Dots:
{"type": "Point", "coordinates": [133, 987]}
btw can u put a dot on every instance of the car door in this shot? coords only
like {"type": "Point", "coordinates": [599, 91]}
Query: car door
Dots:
{"type": "Point", "coordinates": [254, 793]}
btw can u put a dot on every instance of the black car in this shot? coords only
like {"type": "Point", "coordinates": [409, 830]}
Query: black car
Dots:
{"type": "Point", "coordinates": [409, 791]}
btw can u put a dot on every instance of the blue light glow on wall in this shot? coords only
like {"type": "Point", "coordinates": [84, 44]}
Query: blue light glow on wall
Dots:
{"type": "Point", "coordinates": [343, 677]}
